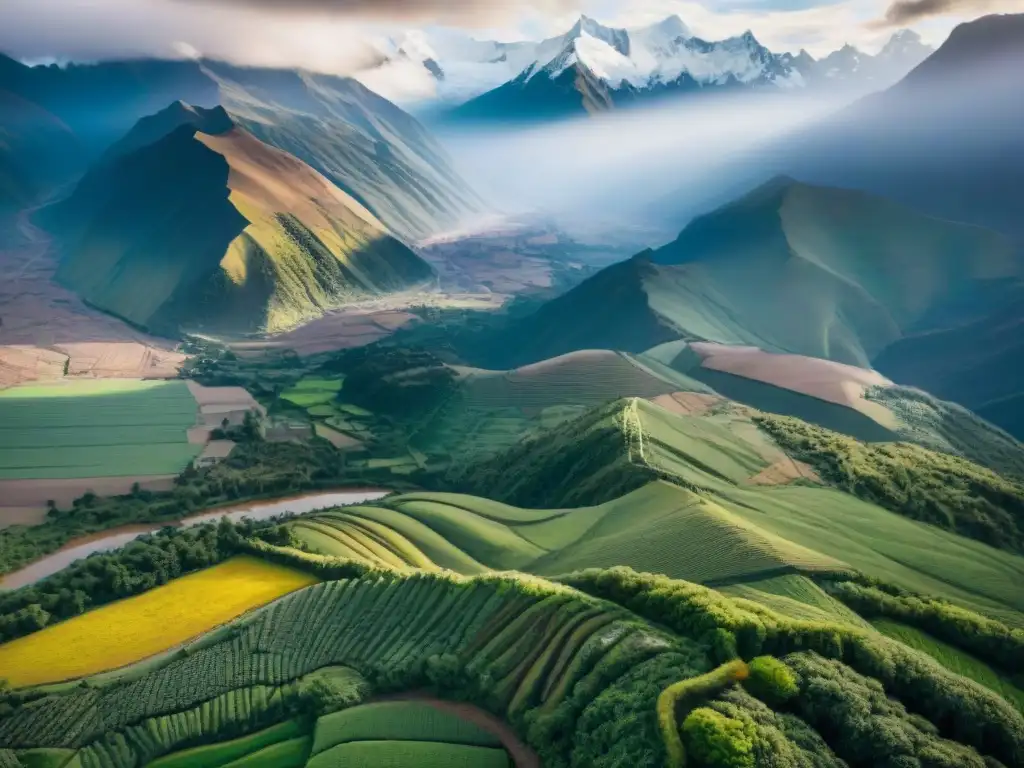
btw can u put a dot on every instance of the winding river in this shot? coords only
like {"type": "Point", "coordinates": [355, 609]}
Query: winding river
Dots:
{"type": "Point", "coordinates": [118, 537]}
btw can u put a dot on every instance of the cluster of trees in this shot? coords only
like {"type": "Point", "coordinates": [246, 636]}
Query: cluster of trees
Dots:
{"type": "Point", "coordinates": [935, 488]}
{"type": "Point", "coordinates": [961, 709]}
{"type": "Point", "coordinates": [863, 725]}
{"type": "Point", "coordinates": [139, 566]}
{"type": "Point", "coordinates": [396, 381]}
{"type": "Point", "coordinates": [950, 428]}
{"type": "Point", "coordinates": [986, 638]}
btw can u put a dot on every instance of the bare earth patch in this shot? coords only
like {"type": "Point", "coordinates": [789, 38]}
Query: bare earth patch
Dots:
{"type": "Point", "coordinates": [824, 379]}
{"type": "Point", "coordinates": [22, 516]}
{"type": "Point", "coordinates": [687, 403]}
{"type": "Point", "coordinates": [339, 440]}
{"type": "Point", "coordinates": [217, 404]}
{"type": "Point", "coordinates": [785, 471]}
{"type": "Point", "coordinates": [35, 493]}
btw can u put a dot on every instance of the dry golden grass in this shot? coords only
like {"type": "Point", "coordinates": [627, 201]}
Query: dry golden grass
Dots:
{"type": "Point", "coordinates": [130, 630]}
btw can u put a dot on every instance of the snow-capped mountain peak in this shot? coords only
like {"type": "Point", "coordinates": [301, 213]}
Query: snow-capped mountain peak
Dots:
{"type": "Point", "coordinates": [615, 38]}
{"type": "Point", "coordinates": [665, 56]}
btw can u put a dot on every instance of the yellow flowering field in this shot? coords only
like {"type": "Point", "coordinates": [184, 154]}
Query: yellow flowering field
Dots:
{"type": "Point", "coordinates": [132, 629]}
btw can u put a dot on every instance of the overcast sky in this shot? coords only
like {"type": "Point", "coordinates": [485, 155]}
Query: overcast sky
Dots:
{"type": "Point", "coordinates": [330, 35]}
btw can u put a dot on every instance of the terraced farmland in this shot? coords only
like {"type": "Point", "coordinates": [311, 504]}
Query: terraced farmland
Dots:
{"type": "Point", "coordinates": [575, 677]}
{"type": "Point", "coordinates": [402, 633]}
{"type": "Point", "coordinates": [106, 428]}
{"type": "Point", "coordinates": [132, 629]}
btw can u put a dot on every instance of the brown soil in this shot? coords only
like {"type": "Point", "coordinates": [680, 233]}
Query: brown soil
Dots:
{"type": "Point", "coordinates": [339, 440]}
{"type": "Point", "coordinates": [44, 325]}
{"type": "Point", "coordinates": [783, 472]}
{"type": "Point", "coordinates": [22, 516]}
{"type": "Point", "coordinates": [35, 493]}
{"type": "Point", "coordinates": [522, 755]}
{"type": "Point", "coordinates": [687, 403]}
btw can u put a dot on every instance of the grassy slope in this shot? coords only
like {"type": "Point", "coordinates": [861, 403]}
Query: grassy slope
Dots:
{"type": "Point", "coordinates": [601, 453]}
{"type": "Point", "coordinates": [973, 364]}
{"type": "Point", "coordinates": [491, 410]}
{"type": "Point", "coordinates": [576, 677]}
{"type": "Point", "coordinates": [943, 490]}
{"type": "Point", "coordinates": [363, 143]}
{"type": "Point", "coordinates": [197, 230]}
{"type": "Point", "coordinates": [852, 273]}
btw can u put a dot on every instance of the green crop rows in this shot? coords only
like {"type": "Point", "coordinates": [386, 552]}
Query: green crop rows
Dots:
{"type": "Point", "coordinates": [82, 430]}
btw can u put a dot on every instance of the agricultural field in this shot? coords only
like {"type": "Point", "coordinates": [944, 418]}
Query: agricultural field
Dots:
{"type": "Point", "coordinates": [103, 428]}
{"type": "Point", "coordinates": [311, 391]}
{"type": "Point", "coordinates": [133, 629]}
{"type": "Point", "coordinates": [547, 675]}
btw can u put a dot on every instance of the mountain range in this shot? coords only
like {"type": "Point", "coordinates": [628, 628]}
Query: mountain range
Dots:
{"type": "Point", "coordinates": [863, 282]}
{"type": "Point", "coordinates": [593, 67]}
{"type": "Point", "coordinates": [375, 152]}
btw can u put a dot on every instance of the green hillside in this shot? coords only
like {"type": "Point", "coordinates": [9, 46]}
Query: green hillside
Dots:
{"type": "Point", "coordinates": [625, 446]}
{"type": "Point", "coordinates": [826, 273]}
{"type": "Point", "coordinates": [195, 231]}
{"type": "Point", "coordinates": [642, 671]}
{"type": "Point", "coordinates": [974, 364]}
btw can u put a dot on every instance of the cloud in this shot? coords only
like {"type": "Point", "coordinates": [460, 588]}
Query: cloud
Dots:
{"type": "Point", "coordinates": [904, 12]}
{"type": "Point", "coordinates": [93, 30]}
{"type": "Point", "coordinates": [468, 13]}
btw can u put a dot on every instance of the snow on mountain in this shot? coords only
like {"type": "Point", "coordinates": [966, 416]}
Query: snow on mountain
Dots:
{"type": "Point", "coordinates": [452, 68]}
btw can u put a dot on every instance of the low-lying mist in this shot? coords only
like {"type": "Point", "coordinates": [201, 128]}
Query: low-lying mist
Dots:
{"type": "Point", "coordinates": [945, 141]}
{"type": "Point", "coordinates": [615, 166]}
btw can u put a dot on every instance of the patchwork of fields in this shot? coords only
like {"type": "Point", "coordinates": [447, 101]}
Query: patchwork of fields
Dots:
{"type": "Point", "coordinates": [138, 627]}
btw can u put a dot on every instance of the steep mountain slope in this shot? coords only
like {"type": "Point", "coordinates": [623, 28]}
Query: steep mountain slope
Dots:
{"type": "Point", "coordinates": [37, 151]}
{"type": "Point", "coordinates": [945, 139]}
{"type": "Point", "coordinates": [374, 151]}
{"type": "Point", "coordinates": [792, 268]}
{"type": "Point", "coordinates": [222, 231]}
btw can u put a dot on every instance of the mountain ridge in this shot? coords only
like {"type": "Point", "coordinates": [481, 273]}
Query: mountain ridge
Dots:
{"type": "Point", "coordinates": [225, 232]}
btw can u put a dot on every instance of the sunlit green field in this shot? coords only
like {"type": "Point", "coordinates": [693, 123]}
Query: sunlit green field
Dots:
{"type": "Point", "coordinates": [96, 429]}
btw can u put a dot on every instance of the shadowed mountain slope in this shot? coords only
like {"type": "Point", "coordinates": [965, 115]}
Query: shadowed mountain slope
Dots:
{"type": "Point", "coordinates": [363, 143]}
{"type": "Point", "coordinates": [793, 268]}
{"type": "Point", "coordinates": [222, 231]}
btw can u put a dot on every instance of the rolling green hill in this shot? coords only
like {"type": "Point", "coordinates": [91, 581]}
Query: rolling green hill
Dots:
{"type": "Point", "coordinates": [818, 272]}
{"type": "Point", "coordinates": [814, 271]}
{"type": "Point", "coordinates": [612, 673]}
{"type": "Point", "coordinates": [852, 272]}
{"type": "Point", "coordinates": [222, 232]}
